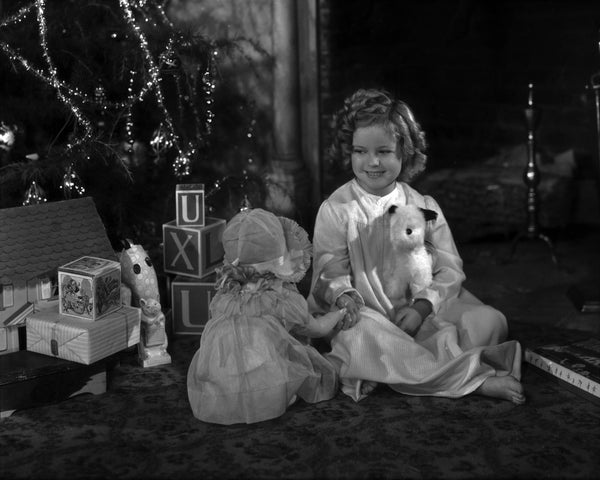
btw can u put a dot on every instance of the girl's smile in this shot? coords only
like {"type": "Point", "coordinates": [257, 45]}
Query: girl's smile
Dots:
{"type": "Point", "coordinates": [375, 163]}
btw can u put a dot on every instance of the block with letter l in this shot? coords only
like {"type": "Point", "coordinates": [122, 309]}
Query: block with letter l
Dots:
{"type": "Point", "coordinates": [190, 300]}
{"type": "Point", "coordinates": [193, 251]}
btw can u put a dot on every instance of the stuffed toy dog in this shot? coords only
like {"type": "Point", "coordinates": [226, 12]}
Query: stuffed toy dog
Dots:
{"type": "Point", "coordinates": [409, 268]}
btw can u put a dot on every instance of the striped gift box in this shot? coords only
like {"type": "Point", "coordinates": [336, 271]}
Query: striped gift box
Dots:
{"type": "Point", "coordinates": [79, 340]}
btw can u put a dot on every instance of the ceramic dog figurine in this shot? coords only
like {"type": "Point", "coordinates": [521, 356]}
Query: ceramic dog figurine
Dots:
{"type": "Point", "coordinates": [152, 349]}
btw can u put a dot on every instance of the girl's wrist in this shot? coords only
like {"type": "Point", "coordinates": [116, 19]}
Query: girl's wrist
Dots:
{"type": "Point", "coordinates": [423, 307]}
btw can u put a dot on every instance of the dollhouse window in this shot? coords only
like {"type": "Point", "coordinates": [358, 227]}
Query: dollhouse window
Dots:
{"type": "Point", "coordinates": [48, 288]}
{"type": "Point", "coordinates": [3, 337]}
{"type": "Point", "coordinates": [6, 296]}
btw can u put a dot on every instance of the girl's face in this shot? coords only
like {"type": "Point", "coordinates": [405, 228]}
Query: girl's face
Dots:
{"type": "Point", "coordinates": [375, 163]}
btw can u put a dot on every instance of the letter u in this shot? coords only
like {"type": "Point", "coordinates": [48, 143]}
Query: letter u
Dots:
{"type": "Point", "coordinates": [184, 206]}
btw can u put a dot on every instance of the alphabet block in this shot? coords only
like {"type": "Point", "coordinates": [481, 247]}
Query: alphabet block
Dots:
{"type": "Point", "coordinates": [89, 288]}
{"type": "Point", "coordinates": [189, 198]}
{"type": "Point", "coordinates": [193, 251]}
{"type": "Point", "coordinates": [190, 300]}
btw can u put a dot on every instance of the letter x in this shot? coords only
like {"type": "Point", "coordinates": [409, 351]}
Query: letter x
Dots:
{"type": "Point", "coordinates": [181, 251]}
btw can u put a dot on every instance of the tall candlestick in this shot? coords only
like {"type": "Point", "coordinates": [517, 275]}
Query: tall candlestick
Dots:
{"type": "Point", "coordinates": [531, 177]}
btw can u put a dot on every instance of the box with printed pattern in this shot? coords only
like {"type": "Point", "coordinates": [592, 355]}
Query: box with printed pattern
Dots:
{"type": "Point", "coordinates": [89, 288]}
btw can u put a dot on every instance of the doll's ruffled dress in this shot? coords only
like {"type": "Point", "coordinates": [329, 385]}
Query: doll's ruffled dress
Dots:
{"type": "Point", "coordinates": [252, 362]}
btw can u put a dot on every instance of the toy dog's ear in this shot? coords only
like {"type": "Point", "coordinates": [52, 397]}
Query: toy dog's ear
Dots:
{"type": "Point", "coordinates": [393, 209]}
{"type": "Point", "coordinates": [430, 215]}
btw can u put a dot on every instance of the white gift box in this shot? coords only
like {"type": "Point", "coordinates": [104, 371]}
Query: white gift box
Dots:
{"type": "Point", "coordinates": [82, 341]}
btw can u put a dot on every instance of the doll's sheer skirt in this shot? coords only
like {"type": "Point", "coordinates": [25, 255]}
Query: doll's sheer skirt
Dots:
{"type": "Point", "coordinates": [249, 369]}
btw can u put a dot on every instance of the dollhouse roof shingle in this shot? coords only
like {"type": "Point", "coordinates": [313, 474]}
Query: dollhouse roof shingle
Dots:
{"type": "Point", "coordinates": [39, 238]}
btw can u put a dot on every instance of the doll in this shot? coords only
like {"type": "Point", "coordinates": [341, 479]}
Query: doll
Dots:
{"type": "Point", "coordinates": [254, 359]}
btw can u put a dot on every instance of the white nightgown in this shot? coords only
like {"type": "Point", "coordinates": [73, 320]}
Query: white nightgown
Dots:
{"type": "Point", "coordinates": [460, 344]}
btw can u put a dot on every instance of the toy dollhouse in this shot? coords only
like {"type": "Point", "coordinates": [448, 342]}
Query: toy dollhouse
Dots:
{"type": "Point", "coordinates": [34, 241]}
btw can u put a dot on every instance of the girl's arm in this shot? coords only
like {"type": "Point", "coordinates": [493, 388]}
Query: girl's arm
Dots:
{"type": "Point", "coordinates": [448, 274]}
{"type": "Point", "coordinates": [332, 272]}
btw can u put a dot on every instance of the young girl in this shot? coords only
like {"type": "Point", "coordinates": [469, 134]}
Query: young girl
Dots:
{"type": "Point", "coordinates": [438, 341]}
{"type": "Point", "coordinates": [251, 364]}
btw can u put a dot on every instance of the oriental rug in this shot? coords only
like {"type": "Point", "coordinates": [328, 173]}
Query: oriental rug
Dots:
{"type": "Point", "coordinates": [142, 427]}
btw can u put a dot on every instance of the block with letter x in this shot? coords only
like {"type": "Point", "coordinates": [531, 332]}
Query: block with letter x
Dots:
{"type": "Point", "coordinates": [193, 251]}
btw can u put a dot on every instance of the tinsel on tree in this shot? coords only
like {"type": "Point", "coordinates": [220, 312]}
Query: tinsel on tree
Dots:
{"type": "Point", "coordinates": [110, 99]}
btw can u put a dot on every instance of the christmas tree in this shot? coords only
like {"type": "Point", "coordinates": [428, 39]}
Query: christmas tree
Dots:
{"type": "Point", "coordinates": [112, 100]}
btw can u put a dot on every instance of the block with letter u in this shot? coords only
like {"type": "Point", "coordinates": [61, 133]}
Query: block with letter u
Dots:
{"type": "Point", "coordinates": [193, 251]}
{"type": "Point", "coordinates": [190, 300]}
{"type": "Point", "coordinates": [189, 202]}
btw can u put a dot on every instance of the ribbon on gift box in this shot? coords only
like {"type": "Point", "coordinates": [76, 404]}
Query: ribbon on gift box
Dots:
{"type": "Point", "coordinates": [55, 346]}
{"type": "Point", "coordinates": [54, 341]}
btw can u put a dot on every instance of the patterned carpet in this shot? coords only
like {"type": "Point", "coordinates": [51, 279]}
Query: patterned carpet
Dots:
{"type": "Point", "coordinates": [142, 427]}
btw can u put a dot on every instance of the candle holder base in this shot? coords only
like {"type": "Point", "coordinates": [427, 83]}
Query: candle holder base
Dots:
{"type": "Point", "coordinates": [536, 236]}
{"type": "Point", "coordinates": [585, 297]}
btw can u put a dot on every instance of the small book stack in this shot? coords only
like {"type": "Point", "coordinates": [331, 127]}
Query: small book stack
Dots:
{"type": "Point", "coordinates": [575, 365]}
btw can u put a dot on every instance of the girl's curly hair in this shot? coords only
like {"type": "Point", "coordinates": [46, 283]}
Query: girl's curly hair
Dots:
{"type": "Point", "coordinates": [368, 107]}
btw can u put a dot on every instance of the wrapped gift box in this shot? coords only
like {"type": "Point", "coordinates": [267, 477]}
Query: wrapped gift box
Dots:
{"type": "Point", "coordinates": [193, 251]}
{"type": "Point", "coordinates": [89, 288]}
{"type": "Point", "coordinates": [81, 341]}
{"type": "Point", "coordinates": [190, 300]}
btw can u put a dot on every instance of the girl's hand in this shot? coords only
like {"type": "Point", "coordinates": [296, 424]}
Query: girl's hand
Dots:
{"type": "Point", "coordinates": [409, 320]}
{"type": "Point", "coordinates": [351, 318]}
{"type": "Point", "coordinates": [331, 320]}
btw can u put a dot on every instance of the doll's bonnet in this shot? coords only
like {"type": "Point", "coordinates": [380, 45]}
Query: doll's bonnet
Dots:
{"type": "Point", "coordinates": [268, 243]}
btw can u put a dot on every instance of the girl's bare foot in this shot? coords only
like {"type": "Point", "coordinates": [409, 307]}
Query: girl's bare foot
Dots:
{"type": "Point", "coordinates": [507, 388]}
{"type": "Point", "coordinates": [367, 387]}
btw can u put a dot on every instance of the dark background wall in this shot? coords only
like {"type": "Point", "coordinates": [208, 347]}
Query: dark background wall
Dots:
{"type": "Point", "coordinates": [464, 66]}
